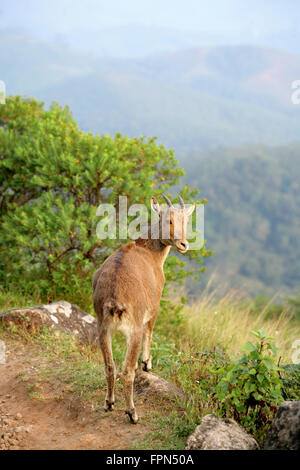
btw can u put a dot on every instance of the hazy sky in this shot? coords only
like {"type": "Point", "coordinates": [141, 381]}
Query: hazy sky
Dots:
{"type": "Point", "coordinates": [48, 17]}
{"type": "Point", "coordinates": [137, 28]}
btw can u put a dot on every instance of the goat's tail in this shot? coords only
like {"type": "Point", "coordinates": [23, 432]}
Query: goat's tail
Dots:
{"type": "Point", "coordinates": [114, 308]}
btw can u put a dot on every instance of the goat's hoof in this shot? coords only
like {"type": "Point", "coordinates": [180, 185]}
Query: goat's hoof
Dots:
{"type": "Point", "coordinates": [132, 415]}
{"type": "Point", "coordinates": [109, 405]}
{"type": "Point", "coordinates": [146, 365]}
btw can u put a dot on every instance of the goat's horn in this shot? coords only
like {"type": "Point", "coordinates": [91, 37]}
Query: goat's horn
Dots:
{"type": "Point", "coordinates": [181, 203]}
{"type": "Point", "coordinates": [168, 201]}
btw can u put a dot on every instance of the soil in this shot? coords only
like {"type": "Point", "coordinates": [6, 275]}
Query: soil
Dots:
{"type": "Point", "coordinates": [54, 420]}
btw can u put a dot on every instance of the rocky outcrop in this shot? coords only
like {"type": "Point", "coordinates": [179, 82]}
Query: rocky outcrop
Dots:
{"type": "Point", "coordinates": [284, 433]}
{"type": "Point", "coordinates": [153, 384]}
{"type": "Point", "coordinates": [62, 315]}
{"type": "Point", "coordinates": [220, 434]}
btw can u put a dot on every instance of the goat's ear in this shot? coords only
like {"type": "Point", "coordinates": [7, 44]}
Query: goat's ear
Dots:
{"type": "Point", "coordinates": [155, 205]}
{"type": "Point", "coordinates": [190, 210]}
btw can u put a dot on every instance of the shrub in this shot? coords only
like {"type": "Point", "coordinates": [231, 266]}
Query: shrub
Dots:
{"type": "Point", "coordinates": [53, 177]}
{"type": "Point", "coordinates": [250, 388]}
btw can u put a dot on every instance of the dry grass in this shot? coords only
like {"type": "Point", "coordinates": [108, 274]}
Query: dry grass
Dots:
{"type": "Point", "coordinates": [228, 322]}
{"type": "Point", "coordinates": [9, 300]}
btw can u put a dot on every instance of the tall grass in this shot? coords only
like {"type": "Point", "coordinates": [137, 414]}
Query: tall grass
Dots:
{"type": "Point", "coordinates": [15, 299]}
{"type": "Point", "coordinates": [228, 322]}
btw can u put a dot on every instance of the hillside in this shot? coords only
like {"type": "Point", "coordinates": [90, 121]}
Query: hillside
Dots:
{"type": "Point", "coordinates": [53, 383]}
{"type": "Point", "coordinates": [252, 217]}
{"type": "Point", "coordinates": [191, 99]}
{"type": "Point", "coordinates": [242, 74]}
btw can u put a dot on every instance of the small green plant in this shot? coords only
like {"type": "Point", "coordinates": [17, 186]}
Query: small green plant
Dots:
{"type": "Point", "coordinates": [250, 388]}
{"type": "Point", "coordinates": [290, 377]}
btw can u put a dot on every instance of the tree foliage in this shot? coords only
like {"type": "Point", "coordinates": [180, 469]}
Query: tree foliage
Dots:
{"type": "Point", "coordinates": [53, 176]}
{"type": "Point", "coordinates": [252, 216]}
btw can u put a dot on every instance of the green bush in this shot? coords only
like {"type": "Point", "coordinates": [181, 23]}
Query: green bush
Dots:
{"type": "Point", "coordinates": [53, 177]}
{"type": "Point", "coordinates": [250, 389]}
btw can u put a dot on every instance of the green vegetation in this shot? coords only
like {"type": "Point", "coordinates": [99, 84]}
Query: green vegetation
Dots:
{"type": "Point", "coordinates": [201, 351]}
{"type": "Point", "coordinates": [290, 376]}
{"type": "Point", "coordinates": [227, 322]}
{"type": "Point", "coordinates": [206, 343]}
{"type": "Point", "coordinates": [53, 177]}
{"type": "Point", "coordinates": [250, 387]}
{"type": "Point", "coordinates": [252, 216]}
{"type": "Point", "coordinates": [295, 305]}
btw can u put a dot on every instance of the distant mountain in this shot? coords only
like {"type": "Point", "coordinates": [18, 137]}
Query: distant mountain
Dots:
{"type": "Point", "coordinates": [132, 41]}
{"type": "Point", "coordinates": [29, 64]}
{"type": "Point", "coordinates": [252, 219]}
{"type": "Point", "coordinates": [204, 102]}
{"type": "Point", "coordinates": [193, 99]}
{"type": "Point", "coordinates": [241, 73]}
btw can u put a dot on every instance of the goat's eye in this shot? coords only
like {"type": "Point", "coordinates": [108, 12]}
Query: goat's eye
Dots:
{"type": "Point", "coordinates": [171, 222]}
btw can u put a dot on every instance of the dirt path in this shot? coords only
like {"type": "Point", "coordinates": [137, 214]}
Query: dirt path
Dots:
{"type": "Point", "coordinates": [42, 421]}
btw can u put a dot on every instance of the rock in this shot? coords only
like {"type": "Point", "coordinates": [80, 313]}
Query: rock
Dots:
{"type": "Point", "coordinates": [220, 434]}
{"type": "Point", "coordinates": [2, 353]}
{"type": "Point", "coordinates": [152, 383]}
{"type": "Point", "coordinates": [284, 433]}
{"type": "Point", "coordinates": [61, 315]}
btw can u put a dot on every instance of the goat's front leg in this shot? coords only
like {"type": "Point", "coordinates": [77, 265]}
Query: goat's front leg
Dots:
{"type": "Point", "coordinates": [146, 358]}
{"type": "Point", "coordinates": [110, 371]}
{"type": "Point", "coordinates": [134, 342]}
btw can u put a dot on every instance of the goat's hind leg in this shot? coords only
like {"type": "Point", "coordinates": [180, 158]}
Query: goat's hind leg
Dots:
{"type": "Point", "coordinates": [110, 370]}
{"type": "Point", "coordinates": [134, 342]}
{"type": "Point", "coordinates": [146, 357]}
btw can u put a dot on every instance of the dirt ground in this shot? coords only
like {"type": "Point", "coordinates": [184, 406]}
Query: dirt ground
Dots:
{"type": "Point", "coordinates": [53, 420]}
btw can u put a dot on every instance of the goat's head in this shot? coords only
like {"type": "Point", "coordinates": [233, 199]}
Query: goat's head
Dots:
{"type": "Point", "coordinates": [173, 223]}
